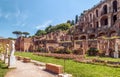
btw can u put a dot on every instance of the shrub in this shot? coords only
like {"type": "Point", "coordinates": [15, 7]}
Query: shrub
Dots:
{"type": "Point", "coordinates": [78, 51]}
{"type": "Point", "coordinates": [92, 51]}
{"type": "Point", "coordinates": [40, 50]}
{"type": "Point", "coordinates": [63, 51]}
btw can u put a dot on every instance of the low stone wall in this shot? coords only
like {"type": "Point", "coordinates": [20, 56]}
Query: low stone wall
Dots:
{"type": "Point", "coordinates": [57, 69]}
{"type": "Point", "coordinates": [99, 62]}
{"type": "Point", "coordinates": [60, 56]}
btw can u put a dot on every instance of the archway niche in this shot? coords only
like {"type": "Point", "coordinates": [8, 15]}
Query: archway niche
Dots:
{"type": "Point", "coordinates": [96, 13]}
{"type": "Point", "coordinates": [115, 6]}
{"type": "Point", "coordinates": [114, 19]}
{"type": "Point", "coordinates": [105, 9]}
{"type": "Point", "coordinates": [83, 37]}
{"type": "Point", "coordinates": [101, 34]}
{"type": "Point", "coordinates": [92, 36]}
{"type": "Point", "coordinates": [104, 21]}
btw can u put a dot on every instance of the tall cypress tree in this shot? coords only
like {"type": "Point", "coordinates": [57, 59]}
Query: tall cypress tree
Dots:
{"type": "Point", "coordinates": [76, 19]}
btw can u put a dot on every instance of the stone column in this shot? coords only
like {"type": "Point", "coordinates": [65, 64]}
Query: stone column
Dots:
{"type": "Point", "coordinates": [12, 60]}
{"type": "Point", "coordinates": [108, 46]}
{"type": "Point", "coordinates": [109, 21]}
{"type": "Point", "coordinates": [116, 53]}
{"type": "Point", "coordinates": [99, 22]}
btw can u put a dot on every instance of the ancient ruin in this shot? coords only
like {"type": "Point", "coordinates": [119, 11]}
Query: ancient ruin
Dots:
{"type": "Point", "coordinates": [98, 27]}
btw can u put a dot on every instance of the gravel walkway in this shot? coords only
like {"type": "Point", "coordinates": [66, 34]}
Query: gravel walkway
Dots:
{"type": "Point", "coordinates": [28, 70]}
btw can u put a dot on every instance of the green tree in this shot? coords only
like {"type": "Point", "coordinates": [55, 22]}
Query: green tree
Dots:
{"type": "Point", "coordinates": [26, 34]}
{"type": "Point", "coordinates": [40, 32]}
{"type": "Point", "coordinates": [73, 23]}
{"type": "Point", "coordinates": [68, 21]}
{"type": "Point", "coordinates": [48, 29]}
{"type": "Point", "coordinates": [17, 33]}
{"type": "Point", "coordinates": [64, 26]}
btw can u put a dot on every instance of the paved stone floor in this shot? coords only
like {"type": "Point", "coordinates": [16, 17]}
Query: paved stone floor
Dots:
{"type": "Point", "coordinates": [28, 70]}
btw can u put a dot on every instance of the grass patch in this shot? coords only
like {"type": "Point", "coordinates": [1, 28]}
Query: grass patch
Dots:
{"type": "Point", "coordinates": [77, 69]}
{"type": "Point", "coordinates": [3, 69]}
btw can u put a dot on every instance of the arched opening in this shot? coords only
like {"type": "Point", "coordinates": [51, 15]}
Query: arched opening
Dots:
{"type": "Point", "coordinates": [91, 26]}
{"type": "Point", "coordinates": [114, 19]}
{"type": "Point", "coordinates": [83, 37]}
{"type": "Point", "coordinates": [115, 6]}
{"type": "Point", "coordinates": [104, 21]}
{"type": "Point", "coordinates": [113, 33]}
{"type": "Point", "coordinates": [76, 38]}
{"type": "Point", "coordinates": [101, 34]}
{"type": "Point", "coordinates": [96, 13]}
{"type": "Point", "coordinates": [92, 36]}
{"type": "Point", "coordinates": [105, 9]}
{"type": "Point", "coordinates": [97, 25]}
{"type": "Point", "coordinates": [90, 16]}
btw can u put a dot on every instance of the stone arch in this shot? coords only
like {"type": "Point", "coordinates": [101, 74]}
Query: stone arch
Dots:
{"type": "Point", "coordinates": [76, 38]}
{"type": "Point", "coordinates": [96, 12]}
{"type": "Point", "coordinates": [83, 37]}
{"type": "Point", "coordinates": [91, 25]}
{"type": "Point", "coordinates": [115, 5]}
{"type": "Point", "coordinates": [114, 19]}
{"type": "Point", "coordinates": [92, 36]}
{"type": "Point", "coordinates": [97, 24]}
{"type": "Point", "coordinates": [91, 16]}
{"type": "Point", "coordinates": [101, 34]}
{"type": "Point", "coordinates": [104, 21]}
{"type": "Point", "coordinates": [104, 9]}
{"type": "Point", "coordinates": [113, 33]}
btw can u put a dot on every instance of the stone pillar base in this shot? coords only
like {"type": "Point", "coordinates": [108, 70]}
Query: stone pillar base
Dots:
{"type": "Point", "coordinates": [64, 75]}
{"type": "Point", "coordinates": [116, 55]}
{"type": "Point", "coordinates": [12, 62]}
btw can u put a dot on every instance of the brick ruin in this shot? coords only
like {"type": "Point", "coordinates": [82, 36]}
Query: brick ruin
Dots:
{"type": "Point", "coordinates": [98, 27]}
{"type": "Point", "coordinates": [4, 42]}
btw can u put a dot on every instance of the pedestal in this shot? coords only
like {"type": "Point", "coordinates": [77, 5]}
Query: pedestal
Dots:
{"type": "Point", "coordinates": [116, 55]}
{"type": "Point", "coordinates": [64, 75]}
{"type": "Point", "coordinates": [12, 62]}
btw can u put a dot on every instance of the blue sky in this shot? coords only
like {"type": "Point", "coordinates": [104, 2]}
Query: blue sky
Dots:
{"type": "Point", "coordinates": [31, 15]}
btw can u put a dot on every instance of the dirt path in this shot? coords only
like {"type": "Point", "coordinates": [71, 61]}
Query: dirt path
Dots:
{"type": "Point", "coordinates": [28, 70]}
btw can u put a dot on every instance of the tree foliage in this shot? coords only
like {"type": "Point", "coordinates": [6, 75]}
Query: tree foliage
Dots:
{"type": "Point", "coordinates": [25, 33]}
{"type": "Point", "coordinates": [76, 19]}
{"type": "Point", "coordinates": [40, 32]}
{"type": "Point", "coordinates": [17, 33]}
{"type": "Point", "coordinates": [64, 26]}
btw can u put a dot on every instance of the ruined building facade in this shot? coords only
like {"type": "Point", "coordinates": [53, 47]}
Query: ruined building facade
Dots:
{"type": "Point", "coordinates": [98, 27]}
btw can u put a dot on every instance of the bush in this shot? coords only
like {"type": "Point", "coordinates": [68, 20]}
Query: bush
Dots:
{"type": "Point", "coordinates": [92, 52]}
{"type": "Point", "coordinates": [78, 51]}
{"type": "Point", "coordinates": [63, 51]}
{"type": "Point", "coordinates": [40, 50]}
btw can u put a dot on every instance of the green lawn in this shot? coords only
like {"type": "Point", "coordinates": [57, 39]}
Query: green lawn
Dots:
{"type": "Point", "coordinates": [3, 69]}
{"type": "Point", "coordinates": [77, 69]}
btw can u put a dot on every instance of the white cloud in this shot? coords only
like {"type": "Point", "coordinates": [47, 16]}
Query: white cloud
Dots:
{"type": "Point", "coordinates": [44, 25]}
{"type": "Point", "coordinates": [6, 16]}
